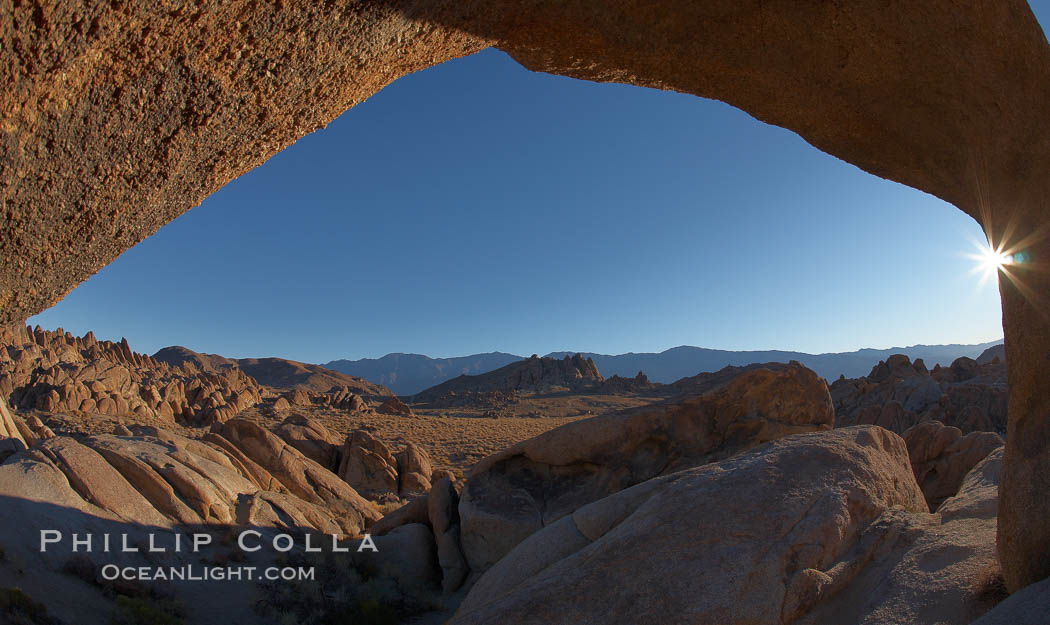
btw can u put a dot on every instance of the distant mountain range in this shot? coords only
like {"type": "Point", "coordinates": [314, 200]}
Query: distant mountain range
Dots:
{"type": "Point", "coordinates": [408, 374]}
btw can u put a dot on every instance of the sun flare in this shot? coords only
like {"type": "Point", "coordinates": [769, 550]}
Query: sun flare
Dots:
{"type": "Point", "coordinates": [993, 260]}
{"type": "Point", "coordinates": [989, 261]}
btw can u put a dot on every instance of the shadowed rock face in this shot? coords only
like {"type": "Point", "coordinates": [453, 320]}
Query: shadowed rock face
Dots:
{"type": "Point", "coordinates": [941, 457]}
{"type": "Point", "coordinates": [533, 484]}
{"type": "Point", "coordinates": [535, 373]}
{"type": "Point", "coordinates": [759, 538]}
{"type": "Point", "coordinates": [899, 394]}
{"type": "Point", "coordinates": [118, 117]}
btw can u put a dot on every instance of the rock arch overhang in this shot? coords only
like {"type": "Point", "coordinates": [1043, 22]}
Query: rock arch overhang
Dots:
{"type": "Point", "coordinates": [118, 116]}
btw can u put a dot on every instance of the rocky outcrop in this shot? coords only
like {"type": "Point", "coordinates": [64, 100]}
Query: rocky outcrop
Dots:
{"type": "Point", "coordinates": [152, 485]}
{"type": "Point", "coordinates": [58, 372]}
{"type": "Point", "coordinates": [11, 440]}
{"type": "Point", "coordinates": [442, 507]}
{"type": "Point", "coordinates": [417, 510]}
{"type": "Point", "coordinates": [298, 397]}
{"type": "Point", "coordinates": [533, 484]}
{"type": "Point", "coordinates": [98, 482]}
{"type": "Point", "coordinates": [284, 511]}
{"type": "Point", "coordinates": [926, 569]}
{"type": "Point", "coordinates": [312, 439]}
{"type": "Point", "coordinates": [531, 374]}
{"type": "Point", "coordinates": [341, 398]}
{"type": "Point", "coordinates": [274, 372]}
{"type": "Point", "coordinates": [337, 398]}
{"type": "Point", "coordinates": [899, 394]}
{"type": "Point", "coordinates": [941, 457]}
{"type": "Point", "coordinates": [143, 137]}
{"type": "Point", "coordinates": [368, 465]}
{"type": "Point", "coordinates": [394, 406]}
{"type": "Point", "coordinates": [413, 471]}
{"type": "Point", "coordinates": [1029, 606]}
{"type": "Point", "coordinates": [845, 112]}
{"type": "Point", "coordinates": [759, 538]}
{"type": "Point", "coordinates": [302, 477]}
{"type": "Point", "coordinates": [156, 478]}
{"type": "Point", "coordinates": [617, 385]}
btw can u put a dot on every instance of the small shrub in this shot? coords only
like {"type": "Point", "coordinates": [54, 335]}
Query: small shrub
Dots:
{"type": "Point", "coordinates": [81, 567]}
{"type": "Point", "coordinates": [19, 608]}
{"type": "Point", "coordinates": [989, 587]}
{"type": "Point", "coordinates": [343, 593]}
{"type": "Point", "coordinates": [146, 611]}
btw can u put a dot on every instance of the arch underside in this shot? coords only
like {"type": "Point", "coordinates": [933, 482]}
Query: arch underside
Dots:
{"type": "Point", "coordinates": [120, 116]}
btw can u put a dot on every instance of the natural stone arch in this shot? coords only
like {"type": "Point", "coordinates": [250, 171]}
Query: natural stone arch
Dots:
{"type": "Point", "coordinates": [118, 117]}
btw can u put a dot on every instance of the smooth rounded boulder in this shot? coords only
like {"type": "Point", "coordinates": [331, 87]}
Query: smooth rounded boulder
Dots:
{"type": "Point", "coordinates": [532, 484]}
{"type": "Point", "coordinates": [758, 538]}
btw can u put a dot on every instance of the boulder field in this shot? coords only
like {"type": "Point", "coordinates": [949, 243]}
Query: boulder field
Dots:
{"type": "Point", "coordinates": [58, 372]}
{"type": "Point", "coordinates": [119, 117]}
{"type": "Point", "coordinates": [735, 505]}
{"type": "Point", "coordinates": [897, 394]}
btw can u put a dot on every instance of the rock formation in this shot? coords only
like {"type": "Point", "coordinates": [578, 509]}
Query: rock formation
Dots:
{"type": "Point", "coordinates": [899, 394]}
{"type": "Point", "coordinates": [337, 398]}
{"type": "Point", "coordinates": [413, 471]}
{"type": "Point", "coordinates": [925, 569]}
{"type": "Point", "coordinates": [11, 439]}
{"type": "Point", "coordinates": [814, 528]}
{"type": "Point", "coordinates": [302, 477]}
{"type": "Point", "coordinates": [528, 486]}
{"type": "Point", "coordinates": [341, 398]}
{"type": "Point", "coordinates": [368, 465]}
{"type": "Point", "coordinates": [312, 439]}
{"type": "Point", "coordinates": [394, 406]}
{"type": "Point", "coordinates": [417, 510]}
{"type": "Point", "coordinates": [161, 479]}
{"type": "Point", "coordinates": [116, 143]}
{"type": "Point", "coordinates": [617, 385]}
{"type": "Point", "coordinates": [759, 538]}
{"type": "Point", "coordinates": [298, 397]}
{"type": "Point", "coordinates": [1027, 607]}
{"type": "Point", "coordinates": [274, 372]}
{"type": "Point", "coordinates": [941, 457]}
{"type": "Point", "coordinates": [531, 374]}
{"type": "Point", "coordinates": [442, 508]}
{"type": "Point", "coordinates": [57, 372]}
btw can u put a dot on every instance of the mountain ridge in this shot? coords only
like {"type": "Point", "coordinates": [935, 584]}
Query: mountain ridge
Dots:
{"type": "Point", "coordinates": [408, 374]}
{"type": "Point", "coordinates": [273, 371]}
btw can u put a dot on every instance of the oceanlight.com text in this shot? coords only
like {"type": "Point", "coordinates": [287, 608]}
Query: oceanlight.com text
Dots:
{"type": "Point", "coordinates": [189, 572]}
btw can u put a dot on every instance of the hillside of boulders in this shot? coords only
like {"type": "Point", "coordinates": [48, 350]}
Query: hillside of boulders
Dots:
{"type": "Point", "coordinates": [755, 494]}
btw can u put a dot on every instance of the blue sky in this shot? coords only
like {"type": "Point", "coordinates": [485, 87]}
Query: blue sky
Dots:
{"type": "Point", "coordinates": [477, 206]}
